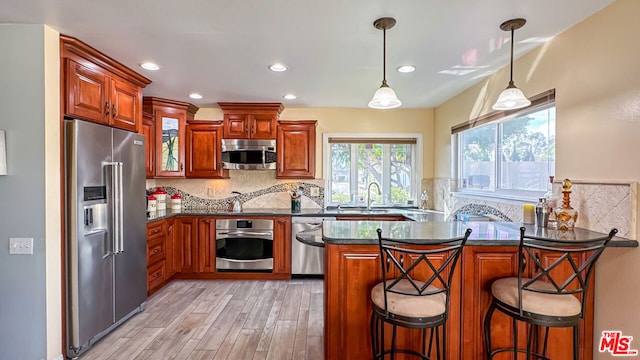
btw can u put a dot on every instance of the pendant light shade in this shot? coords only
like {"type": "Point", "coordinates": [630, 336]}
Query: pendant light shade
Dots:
{"type": "Point", "coordinates": [511, 98]}
{"type": "Point", "coordinates": [385, 97]}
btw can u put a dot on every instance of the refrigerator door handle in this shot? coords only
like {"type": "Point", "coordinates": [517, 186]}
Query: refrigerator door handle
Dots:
{"type": "Point", "coordinates": [120, 230]}
{"type": "Point", "coordinates": [116, 206]}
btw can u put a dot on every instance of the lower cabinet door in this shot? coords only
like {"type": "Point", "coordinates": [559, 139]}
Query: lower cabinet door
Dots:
{"type": "Point", "coordinates": [206, 245]}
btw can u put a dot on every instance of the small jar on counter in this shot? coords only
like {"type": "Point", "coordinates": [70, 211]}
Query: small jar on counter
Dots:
{"type": "Point", "coordinates": [176, 202]}
{"type": "Point", "coordinates": [161, 196]}
{"type": "Point", "coordinates": [152, 204]}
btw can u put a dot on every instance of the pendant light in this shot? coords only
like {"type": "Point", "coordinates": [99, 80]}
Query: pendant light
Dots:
{"type": "Point", "coordinates": [385, 97]}
{"type": "Point", "coordinates": [511, 97]}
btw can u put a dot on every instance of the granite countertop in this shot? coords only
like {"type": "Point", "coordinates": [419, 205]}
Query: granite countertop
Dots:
{"type": "Point", "coordinates": [409, 213]}
{"type": "Point", "coordinates": [484, 232]}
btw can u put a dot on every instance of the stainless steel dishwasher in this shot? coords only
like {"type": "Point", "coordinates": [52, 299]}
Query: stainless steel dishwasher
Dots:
{"type": "Point", "coordinates": [306, 259]}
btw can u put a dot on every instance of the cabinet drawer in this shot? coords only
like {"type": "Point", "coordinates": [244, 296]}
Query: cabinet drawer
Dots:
{"type": "Point", "coordinates": [155, 250]}
{"type": "Point", "coordinates": [155, 275]}
{"type": "Point", "coordinates": [156, 228]}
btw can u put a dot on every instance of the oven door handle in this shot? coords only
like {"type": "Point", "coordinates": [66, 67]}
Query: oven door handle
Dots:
{"type": "Point", "coordinates": [241, 261]}
{"type": "Point", "coordinates": [245, 233]}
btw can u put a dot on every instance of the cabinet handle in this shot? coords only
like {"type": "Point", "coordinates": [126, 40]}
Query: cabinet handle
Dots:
{"type": "Point", "coordinates": [113, 110]}
{"type": "Point", "coordinates": [388, 262]}
{"type": "Point", "coordinates": [524, 263]}
{"type": "Point", "coordinates": [206, 221]}
{"type": "Point", "coordinates": [181, 166]}
{"type": "Point", "coordinates": [155, 231]}
{"type": "Point", "coordinates": [106, 106]}
{"type": "Point", "coordinates": [155, 251]}
{"type": "Point", "coordinates": [537, 262]}
{"type": "Point", "coordinates": [155, 276]}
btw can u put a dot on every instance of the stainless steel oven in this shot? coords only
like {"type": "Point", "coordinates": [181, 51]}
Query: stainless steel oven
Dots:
{"type": "Point", "coordinates": [244, 245]}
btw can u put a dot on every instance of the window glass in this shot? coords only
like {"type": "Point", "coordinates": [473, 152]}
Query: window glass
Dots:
{"type": "Point", "coordinates": [514, 156]}
{"type": "Point", "coordinates": [355, 165]}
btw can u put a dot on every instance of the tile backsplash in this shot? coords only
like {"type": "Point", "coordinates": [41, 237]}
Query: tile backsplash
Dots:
{"type": "Point", "coordinates": [601, 206]}
{"type": "Point", "coordinates": [259, 189]}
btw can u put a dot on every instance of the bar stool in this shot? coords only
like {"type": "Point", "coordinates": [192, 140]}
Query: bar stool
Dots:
{"type": "Point", "coordinates": [414, 292]}
{"type": "Point", "coordinates": [541, 297]}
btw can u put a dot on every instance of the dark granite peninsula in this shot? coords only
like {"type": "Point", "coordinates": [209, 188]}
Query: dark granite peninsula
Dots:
{"type": "Point", "coordinates": [352, 268]}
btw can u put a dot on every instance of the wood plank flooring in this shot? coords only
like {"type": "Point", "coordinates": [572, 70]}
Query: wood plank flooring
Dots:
{"type": "Point", "coordinates": [223, 319]}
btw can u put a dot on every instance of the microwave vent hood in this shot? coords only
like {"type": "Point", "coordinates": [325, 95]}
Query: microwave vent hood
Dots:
{"type": "Point", "coordinates": [249, 154]}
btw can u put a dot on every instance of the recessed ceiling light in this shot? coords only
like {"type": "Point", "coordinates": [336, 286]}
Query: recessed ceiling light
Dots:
{"type": "Point", "coordinates": [150, 66]}
{"type": "Point", "coordinates": [406, 68]}
{"type": "Point", "coordinates": [195, 96]}
{"type": "Point", "coordinates": [290, 97]}
{"type": "Point", "coordinates": [278, 67]}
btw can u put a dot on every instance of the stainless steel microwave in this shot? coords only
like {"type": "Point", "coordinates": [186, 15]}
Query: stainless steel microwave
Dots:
{"type": "Point", "coordinates": [248, 154]}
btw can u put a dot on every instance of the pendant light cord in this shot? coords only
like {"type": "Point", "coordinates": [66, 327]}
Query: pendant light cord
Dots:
{"type": "Point", "coordinates": [384, 56]}
{"type": "Point", "coordinates": [511, 69]}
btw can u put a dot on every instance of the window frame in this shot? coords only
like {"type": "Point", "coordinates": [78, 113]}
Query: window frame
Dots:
{"type": "Point", "coordinates": [539, 102]}
{"type": "Point", "coordinates": [416, 171]}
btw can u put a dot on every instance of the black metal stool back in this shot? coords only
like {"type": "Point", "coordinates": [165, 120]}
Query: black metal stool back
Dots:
{"type": "Point", "coordinates": [423, 271]}
{"type": "Point", "coordinates": [549, 291]}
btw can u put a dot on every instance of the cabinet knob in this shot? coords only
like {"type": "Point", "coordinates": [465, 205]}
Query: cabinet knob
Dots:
{"type": "Point", "coordinates": [113, 110]}
{"type": "Point", "coordinates": [181, 166]}
{"type": "Point", "coordinates": [106, 106]}
{"type": "Point", "coordinates": [155, 251]}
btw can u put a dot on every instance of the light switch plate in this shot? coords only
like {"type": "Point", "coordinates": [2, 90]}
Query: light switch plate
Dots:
{"type": "Point", "coordinates": [21, 246]}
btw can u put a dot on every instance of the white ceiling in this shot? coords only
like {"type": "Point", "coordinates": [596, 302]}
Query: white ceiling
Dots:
{"type": "Point", "coordinates": [221, 48]}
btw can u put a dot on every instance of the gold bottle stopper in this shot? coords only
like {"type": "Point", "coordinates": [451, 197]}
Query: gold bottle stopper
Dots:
{"type": "Point", "coordinates": [566, 185]}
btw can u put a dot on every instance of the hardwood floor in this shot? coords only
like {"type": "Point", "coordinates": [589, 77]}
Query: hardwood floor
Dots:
{"type": "Point", "coordinates": [223, 319]}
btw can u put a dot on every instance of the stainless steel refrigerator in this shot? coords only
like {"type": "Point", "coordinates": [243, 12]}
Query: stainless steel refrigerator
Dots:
{"type": "Point", "coordinates": [105, 231]}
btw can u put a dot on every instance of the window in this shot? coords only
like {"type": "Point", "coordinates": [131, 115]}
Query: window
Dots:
{"type": "Point", "coordinates": [510, 154]}
{"type": "Point", "coordinates": [351, 163]}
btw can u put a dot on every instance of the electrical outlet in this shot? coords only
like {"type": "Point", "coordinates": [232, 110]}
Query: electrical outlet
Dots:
{"type": "Point", "coordinates": [314, 191]}
{"type": "Point", "coordinates": [21, 246]}
{"type": "Point", "coordinates": [211, 192]}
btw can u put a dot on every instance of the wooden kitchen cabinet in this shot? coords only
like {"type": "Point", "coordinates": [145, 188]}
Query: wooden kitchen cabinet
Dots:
{"type": "Point", "coordinates": [148, 130]}
{"type": "Point", "coordinates": [170, 118]}
{"type": "Point", "coordinates": [206, 245]}
{"type": "Point", "coordinates": [156, 255]}
{"type": "Point", "coordinates": [296, 149]}
{"type": "Point", "coordinates": [186, 250]}
{"type": "Point", "coordinates": [483, 265]}
{"type": "Point", "coordinates": [203, 153]}
{"type": "Point", "coordinates": [282, 245]}
{"type": "Point", "coordinates": [170, 248]}
{"type": "Point", "coordinates": [99, 89]}
{"type": "Point", "coordinates": [355, 271]}
{"type": "Point", "coordinates": [250, 120]}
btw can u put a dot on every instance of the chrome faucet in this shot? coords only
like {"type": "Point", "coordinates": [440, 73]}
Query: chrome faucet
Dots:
{"type": "Point", "coordinates": [369, 200]}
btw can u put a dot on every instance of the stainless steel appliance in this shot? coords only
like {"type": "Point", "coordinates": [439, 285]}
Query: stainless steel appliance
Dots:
{"type": "Point", "coordinates": [248, 154]}
{"type": "Point", "coordinates": [105, 230]}
{"type": "Point", "coordinates": [306, 259]}
{"type": "Point", "coordinates": [244, 245]}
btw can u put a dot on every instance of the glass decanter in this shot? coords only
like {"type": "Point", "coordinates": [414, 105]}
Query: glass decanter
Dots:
{"type": "Point", "coordinates": [566, 216]}
{"type": "Point", "coordinates": [552, 202]}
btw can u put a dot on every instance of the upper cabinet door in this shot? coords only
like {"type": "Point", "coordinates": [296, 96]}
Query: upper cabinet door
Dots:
{"type": "Point", "coordinates": [263, 126]}
{"type": "Point", "coordinates": [236, 126]}
{"type": "Point", "coordinates": [204, 159]}
{"type": "Point", "coordinates": [170, 144]}
{"type": "Point", "coordinates": [296, 149]}
{"type": "Point", "coordinates": [126, 106]}
{"type": "Point", "coordinates": [148, 130]}
{"type": "Point", "coordinates": [87, 92]}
